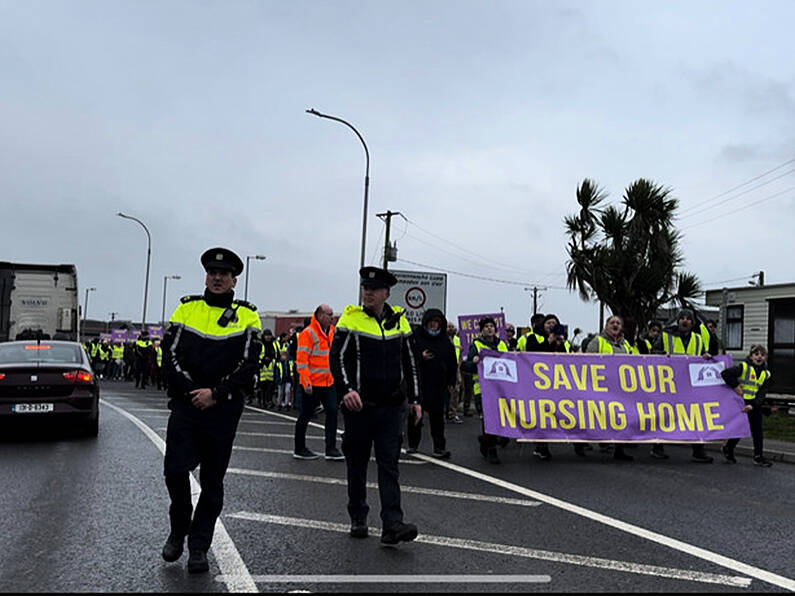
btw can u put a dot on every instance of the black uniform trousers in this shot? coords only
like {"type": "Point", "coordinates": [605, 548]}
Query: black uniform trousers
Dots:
{"type": "Point", "coordinates": [198, 438]}
{"type": "Point", "coordinates": [141, 372]}
{"type": "Point", "coordinates": [379, 426]}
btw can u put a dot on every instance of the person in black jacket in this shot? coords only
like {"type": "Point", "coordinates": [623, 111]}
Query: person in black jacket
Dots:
{"type": "Point", "coordinates": [210, 354]}
{"type": "Point", "coordinates": [437, 367]}
{"type": "Point", "coordinates": [370, 355]}
{"type": "Point", "coordinates": [750, 380]}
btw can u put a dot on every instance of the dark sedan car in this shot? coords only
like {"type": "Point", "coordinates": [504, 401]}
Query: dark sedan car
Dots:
{"type": "Point", "coordinates": [48, 380]}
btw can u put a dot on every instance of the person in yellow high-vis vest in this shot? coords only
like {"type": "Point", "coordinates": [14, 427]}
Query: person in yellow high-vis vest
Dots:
{"type": "Point", "coordinates": [117, 365]}
{"type": "Point", "coordinates": [157, 369]}
{"type": "Point", "coordinates": [750, 380]}
{"type": "Point", "coordinates": [612, 341]}
{"type": "Point", "coordinates": [210, 352]}
{"type": "Point", "coordinates": [487, 340]}
{"type": "Point", "coordinates": [265, 387]}
{"type": "Point", "coordinates": [686, 340]}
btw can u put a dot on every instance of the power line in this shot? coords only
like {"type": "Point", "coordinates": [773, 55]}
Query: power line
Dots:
{"type": "Point", "coordinates": [725, 281]}
{"type": "Point", "coordinates": [737, 196]}
{"type": "Point", "coordinates": [486, 262]}
{"type": "Point", "coordinates": [481, 277]}
{"type": "Point", "coordinates": [755, 178]}
{"type": "Point", "coordinates": [743, 208]}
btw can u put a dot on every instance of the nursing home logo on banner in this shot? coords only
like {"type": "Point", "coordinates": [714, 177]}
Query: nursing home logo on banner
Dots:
{"type": "Point", "coordinates": [500, 369]}
{"type": "Point", "coordinates": [705, 374]}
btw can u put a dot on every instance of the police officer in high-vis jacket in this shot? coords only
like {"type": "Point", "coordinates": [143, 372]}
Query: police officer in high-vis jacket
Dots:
{"type": "Point", "coordinates": [372, 351]}
{"type": "Point", "coordinates": [210, 354]}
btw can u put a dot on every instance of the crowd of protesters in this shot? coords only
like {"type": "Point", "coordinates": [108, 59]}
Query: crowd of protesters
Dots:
{"type": "Point", "coordinates": [450, 385]}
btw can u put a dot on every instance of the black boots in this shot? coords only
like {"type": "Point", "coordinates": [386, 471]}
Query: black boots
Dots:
{"type": "Point", "coordinates": [398, 532]}
{"type": "Point", "coordinates": [172, 549]}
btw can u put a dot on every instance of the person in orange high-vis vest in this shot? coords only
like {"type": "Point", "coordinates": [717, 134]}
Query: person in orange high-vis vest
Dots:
{"type": "Point", "coordinates": [317, 383]}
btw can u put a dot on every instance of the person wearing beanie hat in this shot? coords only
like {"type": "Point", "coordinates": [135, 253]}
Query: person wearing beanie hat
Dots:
{"type": "Point", "coordinates": [488, 340]}
{"type": "Point", "coordinates": [682, 340]}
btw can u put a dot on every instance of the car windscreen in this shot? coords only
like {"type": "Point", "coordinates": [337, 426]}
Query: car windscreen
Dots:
{"type": "Point", "coordinates": [44, 352]}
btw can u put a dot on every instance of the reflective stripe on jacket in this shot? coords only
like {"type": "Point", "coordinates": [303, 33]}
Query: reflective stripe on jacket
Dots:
{"type": "Point", "coordinates": [373, 356]}
{"type": "Point", "coordinates": [751, 382]}
{"type": "Point", "coordinates": [312, 356]}
{"type": "Point", "coordinates": [605, 347]}
{"type": "Point", "coordinates": [266, 371]}
{"type": "Point", "coordinates": [673, 344]}
{"type": "Point", "coordinates": [521, 344]}
{"type": "Point", "coordinates": [199, 352]}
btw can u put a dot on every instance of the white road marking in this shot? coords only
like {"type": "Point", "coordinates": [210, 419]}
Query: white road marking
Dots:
{"type": "Point", "coordinates": [160, 410]}
{"type": "Point", "coordinates": [373, 485]}
{"type": "Point", "coordinates": [399, 579]}
{"type": "Point", "coordinates": [706, 555]}
{"type": "Point", "coordinates": [277, 435]}
{"type": "Point", "coordinates": [517, 551]}
{"type": "Point", "coordinates": [234, 570]}
{"type": "Point", "coordinates": [410, 462]}
{"type": "Point", "coordinates": [270, 435]}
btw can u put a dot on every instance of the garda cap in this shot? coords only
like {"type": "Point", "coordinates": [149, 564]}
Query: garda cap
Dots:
{"type": "Point", "coordinates": [375, 277]}
{"type": "Point", "coordinates": [222, 258]}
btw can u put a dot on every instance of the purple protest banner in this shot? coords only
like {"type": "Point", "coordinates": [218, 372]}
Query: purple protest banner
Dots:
{"type": "Point", "coordinates": [468, 329]}
{"type": "Point", "coordinates": [104, 336]}
{"type": "Point", "coordinates": [118, 335]}
{"type": "Point", "coordinates": [155, 331]}
{"type": "Point", "coordinates": [621, 398]}
{"type": "Point", "coordinates": [133, 334]}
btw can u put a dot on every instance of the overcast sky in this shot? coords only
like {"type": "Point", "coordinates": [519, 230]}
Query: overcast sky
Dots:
{"type": "Point", "coordinates": [481, 119]}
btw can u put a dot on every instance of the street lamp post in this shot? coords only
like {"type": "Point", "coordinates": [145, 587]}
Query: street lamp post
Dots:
{"type": "Point", "coordinates": [259, 258]}
{"type": "Point", "coordinates": [85, 310]}
{"type": "Point", "coordinates": [165, 281]}
{"type": "Point", "coordinates": [366, 178]}
{"type": "Point", "coordinates": [148, 259]}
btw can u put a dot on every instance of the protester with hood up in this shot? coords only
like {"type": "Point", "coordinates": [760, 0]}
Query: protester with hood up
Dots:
{"type": "Point", "coordinates": [437, 367]}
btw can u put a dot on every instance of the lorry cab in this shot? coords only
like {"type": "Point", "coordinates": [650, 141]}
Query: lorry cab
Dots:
{"type": "Point", "coordinates": [38, 302]}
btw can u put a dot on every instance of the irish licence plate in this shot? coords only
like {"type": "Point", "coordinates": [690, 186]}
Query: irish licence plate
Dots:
{"type": "Point", "coordinates": [31, 408]}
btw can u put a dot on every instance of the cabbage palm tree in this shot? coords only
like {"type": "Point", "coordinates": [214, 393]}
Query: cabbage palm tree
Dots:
{"type": "Point", "coordinates": [627, 256]}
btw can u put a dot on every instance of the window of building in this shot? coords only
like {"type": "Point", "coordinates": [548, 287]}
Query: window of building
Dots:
{"type": "Point", "coordinates": [734, 327]}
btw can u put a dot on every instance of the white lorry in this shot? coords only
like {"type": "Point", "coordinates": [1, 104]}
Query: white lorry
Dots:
{"type": "Point", "coordinates": [38, 301]}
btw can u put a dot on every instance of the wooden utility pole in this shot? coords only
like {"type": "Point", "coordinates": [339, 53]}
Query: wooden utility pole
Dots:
{"type": "Point", "coordinates": [388, 218]}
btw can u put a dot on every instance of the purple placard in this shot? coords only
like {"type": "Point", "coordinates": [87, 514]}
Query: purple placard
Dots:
{"type": "Point", "coordinates": [104, 336]}
{"type": "Point", "coordinates": [468, 329]}
{"type": "Point", "coordinates": [155, 331]}
{"type": "Point", "coordinates": [622, 398]}
{"type": "Point", "coordinates": [118, 335]}
{"type": "Point", "coordinates": [133, 334]}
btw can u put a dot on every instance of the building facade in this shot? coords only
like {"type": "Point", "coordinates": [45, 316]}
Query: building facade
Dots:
{"type": "Point", "coordinates": [760, 315]}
